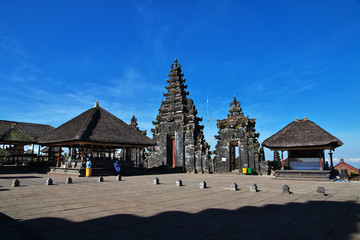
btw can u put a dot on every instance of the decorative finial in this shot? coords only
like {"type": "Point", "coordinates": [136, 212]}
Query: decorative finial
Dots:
{"type": "Point", "coordinates": [13, 125]}
{"type": "Point", "coordinates": [305, 118]}
{"type": "Point", "coordinates": [296, 119]}
{"type": "Point", "coordinates": [96, 104]}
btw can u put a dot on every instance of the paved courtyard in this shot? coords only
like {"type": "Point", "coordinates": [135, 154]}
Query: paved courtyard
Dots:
{"type": "Point", "coordinates": [135, 208]}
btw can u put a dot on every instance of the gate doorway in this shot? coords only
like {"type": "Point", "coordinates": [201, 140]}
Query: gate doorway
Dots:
{"type": "Point", "coordinates": [170, 151]}
{"type": "Point", "coordinates": [234, 157]}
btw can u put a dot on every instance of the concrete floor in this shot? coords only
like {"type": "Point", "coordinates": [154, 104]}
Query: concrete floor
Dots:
{"type": "Point", "coordinates": [135, 208]}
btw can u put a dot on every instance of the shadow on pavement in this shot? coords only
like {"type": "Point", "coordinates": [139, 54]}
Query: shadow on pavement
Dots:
{"type": "Point", "coordinates": [310, 220]}
{"type": "Point", "coordinates": [19, 177]}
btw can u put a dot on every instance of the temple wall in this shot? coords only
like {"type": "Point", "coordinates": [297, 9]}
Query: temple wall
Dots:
{"type": "Point", "coordinates": [179, 148]}
{"type": "Point", "coordinates": [189, 151]}
{"type": "Point", "coordinates": [223, 157]}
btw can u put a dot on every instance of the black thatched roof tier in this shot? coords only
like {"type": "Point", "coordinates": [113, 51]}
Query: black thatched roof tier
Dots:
{"type": "Point", "coordinates": [98, 126]}
{"type": "Point", "coordinates": [302, 134]}
{"type": "Point", "coordinates": [20, 132]}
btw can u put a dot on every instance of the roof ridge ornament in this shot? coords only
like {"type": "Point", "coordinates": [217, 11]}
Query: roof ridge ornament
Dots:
{"type": "Point", "coordinates": [96, 104]}
{"type": "Point", "coordinates": [296, 119]}
{"type": "Point", "coordinates": [305, 119]}
{"type": "Point", "coordinates": [235, 108]}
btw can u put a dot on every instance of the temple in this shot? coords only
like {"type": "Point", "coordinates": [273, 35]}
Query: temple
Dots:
{"type": "Point", "coordinates": [305, 143]}
{"type": "Point", "coordinates": [237, 148]}
{"type": "Point", "coordinates": [177, 132]}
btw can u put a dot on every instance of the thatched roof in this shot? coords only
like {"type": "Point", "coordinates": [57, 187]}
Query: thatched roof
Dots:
{"type": "Point", "coordinates": [302, 134]}
{"type": "Point", "coordinates": [20, 132]}
{"type": "Point", "coordinates": [98, 126]}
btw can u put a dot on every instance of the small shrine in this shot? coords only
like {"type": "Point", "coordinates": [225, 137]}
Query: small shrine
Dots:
{"type": "Point", "coordinates": [305, 142]}
{"type": "Point", "coordinates": [237, 148]}
{"type": "Point", "coordinates": [177, 130]}
{"type": "Point", "coordinates": [134, 156]}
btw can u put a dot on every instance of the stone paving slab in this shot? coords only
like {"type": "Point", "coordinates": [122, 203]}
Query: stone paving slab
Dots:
{"type": "Point", "coordinates": [135, 208]}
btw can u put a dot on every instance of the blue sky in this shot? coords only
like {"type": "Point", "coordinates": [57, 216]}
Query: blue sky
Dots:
{"type": "Point", "coordinates": [282, 60]}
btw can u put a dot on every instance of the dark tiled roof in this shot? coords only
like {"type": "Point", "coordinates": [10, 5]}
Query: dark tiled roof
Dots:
{"type": "Point", "coordinates": [21, 132]}
{"type": "Point", "coordinates": [302, 134]}
{"type": "Point", "coordinates": [97, 125]}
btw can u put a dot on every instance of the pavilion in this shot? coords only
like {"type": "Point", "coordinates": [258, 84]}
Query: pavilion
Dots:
{"type": "Point", "coordinates": [95, 134]}
{"type": "Point", "coordinates": [305, 143]}
{"type": "Point", "coordinates": [14, 136]}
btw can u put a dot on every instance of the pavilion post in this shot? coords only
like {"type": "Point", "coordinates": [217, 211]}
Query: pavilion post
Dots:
{"type": "Point", "coordinates": [32, 152]}
{"type": "Point", "coordinates": [83, 151]}
{"type": "Point", "coordinates": [320, 160]}
{"type": "Point", "coordinates": [282, 160]}
{"type": "Point", "coordinates": [91, 152]}
{"type": "Point", "coordinates": [58, 161]}
{"type": "Point", "coordinates": [39, 154]}
{"type": "Point", "coordinates": [321, 164]}
{"type": "Point", "coordinates": [331, 160]}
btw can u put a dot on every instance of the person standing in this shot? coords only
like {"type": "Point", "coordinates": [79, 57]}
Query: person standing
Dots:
{"type": "Point", "coordinates": [88, 168]}
{"type": "Point", "coordinates": [117, 167]}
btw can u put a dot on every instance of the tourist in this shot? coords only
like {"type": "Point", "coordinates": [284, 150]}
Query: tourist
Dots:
{"type": "Point", "coordinates": [117, 166]}
{"type": "Point", "coordinates": [88, 163]}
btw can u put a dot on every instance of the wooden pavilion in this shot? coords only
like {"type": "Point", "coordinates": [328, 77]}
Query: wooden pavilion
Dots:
{"type": "Point", "coordinates": [14, 136]}
{"type": "Point", "coordinates": [305, 143]}
{"type": "Point", "coordinates": [96, 134]}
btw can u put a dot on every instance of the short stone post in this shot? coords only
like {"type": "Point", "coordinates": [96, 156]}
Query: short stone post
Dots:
{"type": "Point", "coordinates": [118, 178]}
{"type": "Point", "coordinates": [49, 181]}
{"type": "Point", "coordinates": [234, 187]}
{"type": "Point", "coordinates": [321, 191]}
{"type": "Point", "coordinates": [178, 183]}
{"type": "Point", "coordinates": [286, 189]}
{"type": "Point", "coordinates": [156, 181]}
{"type": "Point", "coordinates": [68, 180]}
{"type": "Point", "coordinates": [16, 183]}
{"type": "Point", "coordinates": [202, 185]}
{"type": "Point", "coordinates": [253, 188]}
{"type": "Point", "coordinates": [100, 179]}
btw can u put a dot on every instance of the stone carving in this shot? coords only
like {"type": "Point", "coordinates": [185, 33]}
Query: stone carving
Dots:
{"type": "Point", "coordinates": [16, 183]}
{"type": "Point", "coordinates": [234, 187]}
{"type": "Point", "coordinates": [253, 188]}
{"type": "Point", "coordinates": [178, 183]}
{"type": "Point", "coordinates": [321, 191]}
{"type": "Point", "coordinates": [177, 130]}
{"type": "Point", "coordinates": [237, 136]}
{"type": "Point", "coordinates": [49, 181]}
{"type": "Point", "coordinates": [286, 189]}
{"type": "Point", "coordinates": [156, 181]}
{"type": "Point", "coordinates": [68, 180]}
{"type": "Point", "coordinates": [203, 185]}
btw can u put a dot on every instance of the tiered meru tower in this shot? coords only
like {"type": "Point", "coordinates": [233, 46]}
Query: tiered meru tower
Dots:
{"type": "Point", "coordinates": [177, 132]}
{"type": "Point", "coordinates": [237, 137]}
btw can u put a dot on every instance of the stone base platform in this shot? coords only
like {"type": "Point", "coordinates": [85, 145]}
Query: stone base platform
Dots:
{"type": "Point", "coordinates": [81, 172]}
{"type": "Point", "coordinates": [303, 174]}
